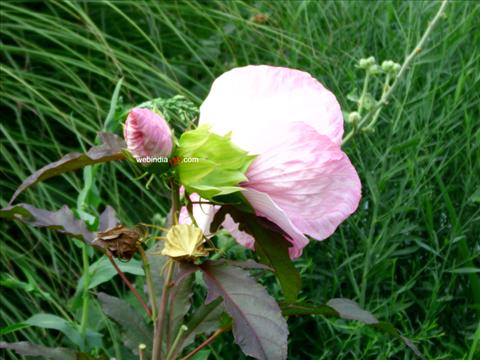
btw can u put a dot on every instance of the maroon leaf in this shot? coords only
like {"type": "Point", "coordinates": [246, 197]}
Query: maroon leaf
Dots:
{"type": "Point", "coordinates": [111, 149]}
{"type": "Point", "coordinates": [271, 247]}
{"type": "Point", "coordinates": [180, 302]}
{"type": "Point", "coordinates": [28, 349]}
{"type": "Point", "coordinates": [258, 325]}
{"type": "Point", "coordinates": [61, 220]}
{"type": "Point", "coordinates": [350, 310]}
{"type": "Point", "coordinates": [133, 326]}
{"type": "Point", "coordinates": [108, 219]}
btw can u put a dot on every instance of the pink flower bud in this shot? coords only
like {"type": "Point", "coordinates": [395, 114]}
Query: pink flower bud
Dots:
{"type": "Point", "coordinates": [147, 134]}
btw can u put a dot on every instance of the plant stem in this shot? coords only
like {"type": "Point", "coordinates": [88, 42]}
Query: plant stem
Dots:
{"type": "Point", "coordinates": [86, 295]}
{"type": "Point", "coordinates": [129, 284]}
{"type": "Point", "coordinates": [212, 337]}
{"type": "Point", "coordinates": [148, 277]}
{"type": "Point", "coordinates": [406, 63]}
{"type": "Point", "coordinates": [361, 101]}
{"type": "Point", "coordinates": [175, 201]}
{"type": "Point", "coordinates": [179, 336]}
{"type": "Point", "coordinates": [159, 325]}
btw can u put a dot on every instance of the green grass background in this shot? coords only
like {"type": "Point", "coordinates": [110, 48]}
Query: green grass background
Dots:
{"type": "Point", "coordinates": [404, 254]}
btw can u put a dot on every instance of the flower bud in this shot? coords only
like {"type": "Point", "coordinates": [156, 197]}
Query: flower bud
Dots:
{"type": "Point", "coordinates": [374, 69]}
{"type": "Point", "coordinates": [366, 63]}
{"type": "Point", "coordinates": [147, 134]}
{"type": "Point", "coordinates": [353, 117]}
{"type": "Point", "coordinates": [391, 67]}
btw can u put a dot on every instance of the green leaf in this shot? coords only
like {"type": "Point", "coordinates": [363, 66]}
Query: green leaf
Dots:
{"type": "Point", "coordinates": [270, 245]}
{"type": "Point", "coordinates": [102, 271]}
{"type": "Point", "coordinates": [50, 321]}
{"type": "Point", "coordinates": [62, 220]}
{"type": "Point", "coordinates": [205, 320]}
{"type": "Point", "coordinates": [300, 309]}
{"type": "Point", "coordinates": [12, 328]}
{"type": "Point", "coordinates": [258, 325]}
{"type": "Point", "coordinates": [111, 149]}
{"type": "Point", "coordinates": [202, 355]}
{"type": "Point", "coordinates": [220, 168]}
{"type": "Point", "coordinates": [110, 124]}
{"type": "Point", "coordinates": [28, 349]}
{"type": "Point", "coordinates": [89, 197]}
{"type": "Point", "coordinates": [134, 329]}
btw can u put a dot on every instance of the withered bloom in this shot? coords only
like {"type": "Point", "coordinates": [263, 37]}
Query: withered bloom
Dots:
{"type": "Point", "coordinates": [121, 241]}
{"type": "Point", "coordinates": [184, 242]}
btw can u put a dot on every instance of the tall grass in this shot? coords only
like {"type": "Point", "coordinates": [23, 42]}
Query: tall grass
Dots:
{"type": "Point", "coordinates": [400, 255]}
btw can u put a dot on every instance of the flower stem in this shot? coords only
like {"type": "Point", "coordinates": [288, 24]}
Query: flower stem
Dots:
{"type": "Point", "coordinates": [148, 277]}
{"type": "Point", "coordinates": [86, 295]}
{"type": "Point", "coordinates": [159, 325]}
{"type": "Point", "coordinates": [406, 63]}
{"type": "Point", "coordinates": [179, 336]}
{"type": "Point", "coordinates": [175, 201]}
{"type": "Point", "coordinates": [129, 284]}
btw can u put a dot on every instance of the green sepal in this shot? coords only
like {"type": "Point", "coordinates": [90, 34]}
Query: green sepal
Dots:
{"type": "Point", "coordinates": [220, 168]}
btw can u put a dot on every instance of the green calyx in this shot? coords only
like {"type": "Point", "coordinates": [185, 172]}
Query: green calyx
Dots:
{"type": "Point", "coordinates": [209, 164]}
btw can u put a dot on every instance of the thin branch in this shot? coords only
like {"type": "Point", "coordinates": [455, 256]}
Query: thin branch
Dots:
{"type": "Point", "coordinates": [129, 284]}
{"type": "Point", "coordinates": [212, 337]}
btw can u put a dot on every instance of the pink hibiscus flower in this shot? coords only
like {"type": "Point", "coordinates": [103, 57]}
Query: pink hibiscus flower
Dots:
{"type": "Point", "coordinates": [301, 180]}
{"type": "Point", "coordinates": [147, 134]}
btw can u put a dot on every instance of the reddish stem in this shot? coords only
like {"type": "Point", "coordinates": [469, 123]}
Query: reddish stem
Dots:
{"type": "Point", "coordinates": [129, 284]}
{"type": "Point", "coordinates": [212, 337]}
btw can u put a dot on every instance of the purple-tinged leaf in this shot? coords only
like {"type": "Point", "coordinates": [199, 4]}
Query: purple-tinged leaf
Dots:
{"type": "Point", "coordinates": [271, 247]}
{"type": "Point", "coordinates": [61, 220]}
{"type": "Point", "coordinates": [28, 349]}
{"type": "Point", "coordinates": [258, 325]}
{"type": "Point", "coordinates": [248, 264]}
{"type": "Point", "coordinates": [180, 301]}
{"type": "Point", "coordinates": [111, 149]}
{"type": "Point", "coordinates": [350, 310]}
{"type": "Point", "coordinates": [108, 219]}
{"type": "Point", "coordinates": [134, 328]}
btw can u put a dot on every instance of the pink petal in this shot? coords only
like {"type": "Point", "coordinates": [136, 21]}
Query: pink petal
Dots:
{"type": "Point", "coordinates": [203, 214]}
{"type": "Point", "coordinates": [252, 101]}
{"type": "Point", "coordinates": [242, 237]}
{"type": "Point", "coordinates": [309, 178]}
{"type": "Point", "coordinates": [265, 207]}
{"type": "Point", "coordinates": [147, 134]}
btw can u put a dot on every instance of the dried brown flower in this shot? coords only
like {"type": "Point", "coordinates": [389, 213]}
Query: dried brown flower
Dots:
{"type": "Point", "coordinates": [119, 240]}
